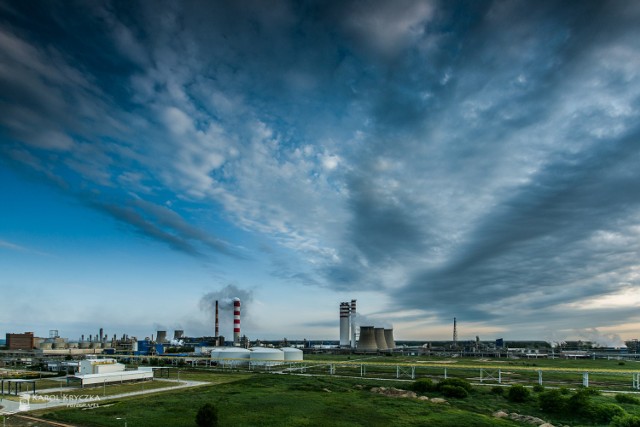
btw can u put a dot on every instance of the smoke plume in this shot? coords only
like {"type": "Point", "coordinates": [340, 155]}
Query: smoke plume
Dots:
{"type": "Point", "coordinates": [225, 298]}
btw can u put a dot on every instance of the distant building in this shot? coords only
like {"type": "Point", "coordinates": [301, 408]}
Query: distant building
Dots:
{"type": "Point", "coordinates": [24, 341]}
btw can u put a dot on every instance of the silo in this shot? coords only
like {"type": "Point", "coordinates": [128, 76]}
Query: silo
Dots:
{"type": "Point", "coordinates": [381, 342]}
{"type": "Point", "coordinates": [177, 334]}
{"type": "Point", "coordinates": [344, 324]}
{"type": "Point", "coordinates": [388, 336]}
{"type": "Point", "coordinates": [161, 337]}
{"type": "Point", "coordinates": [231, 356]}
{"type": "Point", "coordinates": [265, 356]}
{"type": "Point", "coordinates": [367, 341]}
{"type": "Point", "coordinates": [292, 354]}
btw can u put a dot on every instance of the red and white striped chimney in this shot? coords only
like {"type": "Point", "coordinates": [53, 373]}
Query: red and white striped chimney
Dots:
{"type": "Point", "coordinates": [236, 320]}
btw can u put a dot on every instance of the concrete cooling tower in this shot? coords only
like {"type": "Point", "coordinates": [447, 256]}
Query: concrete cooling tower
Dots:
{"type": "Point", "coordinates": [367, 341]}
{"type": "Point", "coordinates": [381, 342]}
{"type": "Point", "coordinates": [161, 336]}
{"type": "Point", "coordinates": [388, 336]}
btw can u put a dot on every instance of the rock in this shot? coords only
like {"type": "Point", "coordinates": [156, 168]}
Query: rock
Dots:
{"type": "Point", "coordinates": [500, 414]}
{"type": "Point", "coordinates": [546, 425]}
{"type": "Point", "coordinates": [438, 400]}
{"type": "Point", "coordinates": [423, 398]}
{"type": "Point", "coordinates": [358, 386]}
{"type": "Point", "coordinates": [327, 390]}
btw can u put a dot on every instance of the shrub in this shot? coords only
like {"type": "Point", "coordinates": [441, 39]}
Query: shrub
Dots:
{"type": "Point", "coordinates": [458, 382]}
{"type": "Point", "coordinates": [627, 398]}
{"type": "Point", "coordinates": [603, 412]}
{"type": "Point", "coordinates": [621, 363]}
{"type": "Point", "coordinates": [454, 391]}
{"type": "Point", "coordinates": [207, 416]}
{"type": "Point", "coordinates": [565, 391]}
{"type": "Point", "coordinates": [518, 393]}
{"type": "Point", "coordinates": [552, 401]}
{"type": "Point", "coordinates": [538, 388]}
{"type": "Point", "coordinates": [625, 421]}
{"type": "Point", "coordinates": [422, 385]}
{"type": "Point", "coordinates": [496, 389]}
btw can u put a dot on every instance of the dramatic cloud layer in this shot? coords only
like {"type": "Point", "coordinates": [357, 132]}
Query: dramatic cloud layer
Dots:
{"type": "Point", "coordinates": [477, 160]}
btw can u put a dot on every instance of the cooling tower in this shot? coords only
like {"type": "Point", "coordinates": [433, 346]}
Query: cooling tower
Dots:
{"type": "Point", "coordinates": [388, 336]}
{"type": "Point", "coordinates": [367, 341]}
{"type": "Point", "coordinates": [161, 336]}
{"type": "Point", "coordinates": [236, 320]}
{"type": "Point", "coordinates": [344, 324]}
{"type": "Point", "coordinates": [177, 334]}
{"type": "Point", "coordinates": [381, 342]}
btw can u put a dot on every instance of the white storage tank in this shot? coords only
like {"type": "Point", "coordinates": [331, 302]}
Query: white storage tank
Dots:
{"type": "Point", "coordinates": [292, 354]}
{"type": "Point", "coordinates": [264, 356]}
{"type": "Point", "coordinates": [231, 356]}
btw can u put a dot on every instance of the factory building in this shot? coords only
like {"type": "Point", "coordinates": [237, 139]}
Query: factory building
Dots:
{"type": "Point", "coordinates": [106, 371]}
{"type": "Point", "coordinates": [24, 341]}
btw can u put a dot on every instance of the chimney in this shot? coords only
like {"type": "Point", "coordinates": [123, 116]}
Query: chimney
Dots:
{"type": "Point", "coordinates": [217, 329]}
{"type": "Point", "coordinates": [236, 320]}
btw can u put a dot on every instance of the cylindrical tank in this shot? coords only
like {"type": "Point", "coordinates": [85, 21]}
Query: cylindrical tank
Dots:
{"type": "Point", "coordinates": [231, 356]}
{"type": "Point", "coordinates": [236, 320]}
{"type": "Point", "coordinates": [344, 325]}
{"type": "Point", "coordinates": [177, 334]}
{"type": "Point", "coordinates": [73, 345]}
{"type": "Point", "coordinates": [46, 345]}
{"type": "Point", "coordinates": [388, 336]}
{"type": "Point", "coordinates": [106, 344]}
{"type": "Point", "coordinates": [264, 356]}
{"type": "Point", "coordinates": [367, 341]}
{"type": "Point", "coordinates": [85, 344]}
{"type": "Point", "coordinates": [161, 337]}
{"type": "Point", "coordinates": [292, 354]}
{"type": "Point", "coordinates": [381, 342]}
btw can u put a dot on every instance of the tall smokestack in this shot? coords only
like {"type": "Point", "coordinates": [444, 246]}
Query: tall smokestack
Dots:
{"type": "Point", "coordinates": [236, 320]}
{"type": "Point", "coordinates": [101, 331]}
{"type": "Point", "coordinates": [217, 330]}
{"type": "Point", "coordinates": [344, 324]}
{"type": "Point", "coordinates": [353, 323]}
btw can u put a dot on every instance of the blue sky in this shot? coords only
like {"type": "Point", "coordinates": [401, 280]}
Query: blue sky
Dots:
{"type": "Point", "coordinates": [431, 159]}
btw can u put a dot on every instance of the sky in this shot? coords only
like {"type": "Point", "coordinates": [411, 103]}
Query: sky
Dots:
{"type": "Point", "coordinates": [431, 159]}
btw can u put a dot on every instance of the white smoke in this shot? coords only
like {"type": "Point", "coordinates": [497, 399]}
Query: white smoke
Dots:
{"type": "Point", "coordinates": [225, 298]}
{"type": "Point", "coordinates": [599, 339]}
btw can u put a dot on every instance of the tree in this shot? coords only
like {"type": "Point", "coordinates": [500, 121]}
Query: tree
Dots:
{"type": "Point", "coordinates": [207, 416]}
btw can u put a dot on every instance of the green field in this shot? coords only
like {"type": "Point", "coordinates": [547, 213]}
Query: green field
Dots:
{"type": "Point", "coordinates": [344, 399]}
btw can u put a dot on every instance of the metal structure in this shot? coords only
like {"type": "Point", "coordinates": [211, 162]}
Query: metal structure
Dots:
{"type": "Point", "coordinates": [367, 341]}
{"type": "Point", "coordinates": [236, 320]}
{"type": "Point", "coordinates": [344, 325]}
{"type": "Point", "coordinates": [381, 342]}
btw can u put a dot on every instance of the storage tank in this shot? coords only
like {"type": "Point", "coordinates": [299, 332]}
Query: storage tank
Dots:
{"type": "Point", "coordinates": [367, 341]}
{"type": "Point", "coordinates": [73, 345]}
{"type": "Point", "coordinates": [46, 345]}
{"type": "Point", "coordinates": [381, 342]}
{"type": "Point", "coordinates": [264, 356]}
{"type": "Point", "coordinates": [292, 354]}
{"type": "Point", "coordinates": [85, 344]}
{"type": "Point", "coordinates": [231, 356]}
{"type": "Point", "coordinates": [388, 336]}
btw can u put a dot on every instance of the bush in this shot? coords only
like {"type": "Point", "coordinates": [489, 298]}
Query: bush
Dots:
{"type": "Point", "coordinates": [496, 389]}
{"type": "Point", "coordinates": [627, 398]}
{"type": "Point", "coordinates": [457, 382]}
{"type": "Point", "coordinates": [552, 401]}
{"type": "Point", "coordinates": [518, 393]}
{"type": "Point", "coordinates": [603, 412]}
{"type": "Point", "coordinates": [565, 391]}
{"type": "Point", "coordinates": [207, 416]}
{"type": "Point", "coordinates": [422, 385]}
{"type": "Point", "coordinates": [454, 391]}
{"type": "Point", "coordinates": [538, 388]}
{"type": "Point", "coordinates": [625, 421]}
